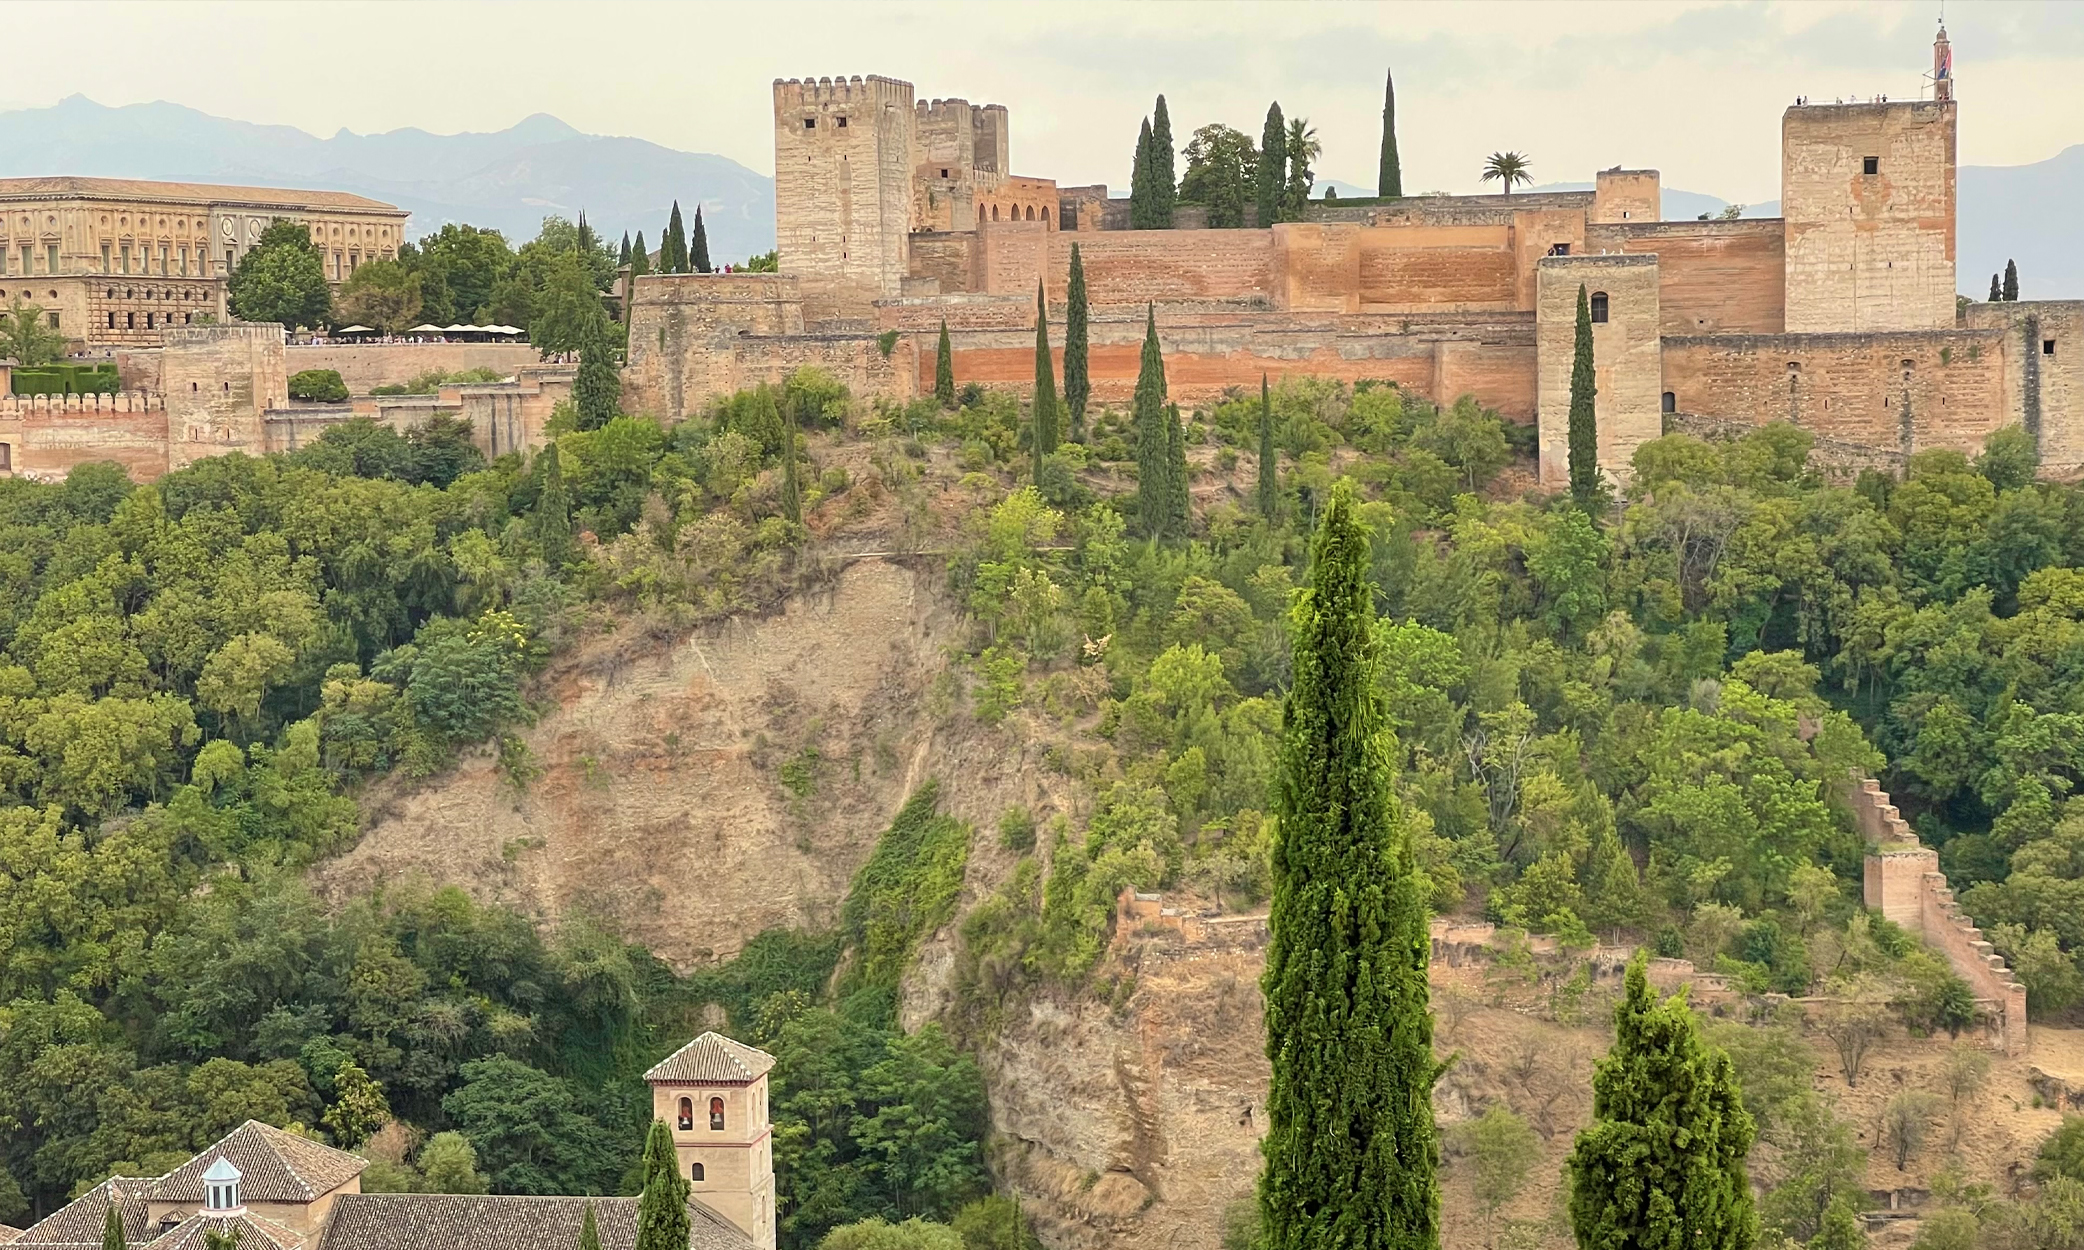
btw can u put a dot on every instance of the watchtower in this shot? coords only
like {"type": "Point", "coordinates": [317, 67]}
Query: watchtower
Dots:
{"type": "Point", "coordinates": [843, 161]}
{"type": "Point", "coordinates": [712, 1094]}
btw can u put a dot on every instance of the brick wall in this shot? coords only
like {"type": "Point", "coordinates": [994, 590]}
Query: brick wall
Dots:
{"type": "Point", "coordinates": [1880, 397]}
{"type": "Point", "coordinates": [947, 260]}
{"type": "Point", "coordinates": [1904, 883]}
{"type": "Point", "coordinates": [219, 381]}
{"type": "Point", "coordinates": [683, 329]}
{"type": "Point", "coordinates": [843, 164]}
{"type": "Point", "coordinates": [47, 435]}
{"type": "Point", "coordinates": [2043, 374]}
{"type": "Point", "coordinates": [1625, 358]}
{"type": "Point", "coordinates": [1869, 252]}
{"type": "Point", "coordinates": [364, 366]}
{"type": "Point", "coordinates": [1627, 195]}
{"type": "Point", "coordinates": [1716, 277]}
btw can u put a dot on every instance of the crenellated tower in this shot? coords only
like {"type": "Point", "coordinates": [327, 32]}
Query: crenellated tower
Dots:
{"type": "Point", "coordinates": [843, 164]}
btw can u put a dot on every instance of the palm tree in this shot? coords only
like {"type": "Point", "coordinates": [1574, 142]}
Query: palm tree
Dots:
{"type": "Point", "coordinates": [1303, 147]}
{"type": "Point", "coordinates": [1507, 168]}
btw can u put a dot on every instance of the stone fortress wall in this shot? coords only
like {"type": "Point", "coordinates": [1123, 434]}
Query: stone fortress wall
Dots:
{"type": "Point", "coordinates": [1839, 317]}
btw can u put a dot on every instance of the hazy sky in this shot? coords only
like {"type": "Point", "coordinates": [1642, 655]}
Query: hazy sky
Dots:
{"type": "Point", "coordinates": [1694, 89]}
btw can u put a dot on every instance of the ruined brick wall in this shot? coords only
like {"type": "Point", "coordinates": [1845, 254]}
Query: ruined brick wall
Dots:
{"type": "Point", "coordinates": [1872, 399]}
{"type": "Point", "coordinates": [1869, 252]}
{"type": "Point", "coordinates": [2043, 374]}
{"type": "Point", "coordinates": [45, 436]}
{"type": "Point", "coordinates": [1904, 883]}
{"type": "Point", "coordinates": [843, 164]}
{"type": "Point", "coordinates": [1021, 199]}
{"type": "Point", "coordinates": [366, 365]}
{"type": "Point", "coordinates": [220, 380]}
{"type": "Point", "coordinates": [1634, 195]}
{"type": "Point", "coordinates": [683, 331]}
{"type": "Point", "coordinates": [946, 260]}
{"type": "Point", "coordinates": [1625, 358]}
{"type": "Point", "coordinates": [1127, 267]}
{"type": "Point", "coordinates": [1717, 277]}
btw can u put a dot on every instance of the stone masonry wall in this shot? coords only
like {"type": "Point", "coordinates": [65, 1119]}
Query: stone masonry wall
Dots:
{"type": "Point", "coordinates": [1716, 277]}
{"type": "Point", "coordinates": [219, 381]}
{"type": "Point", "coordinates": [364, 366]}
{"type": "Point", "coordinates": [683, 331]}
{"type": "Point", "coordinates": [1904, 883]}
{"type": "Point", "coordinates": [46, 435]}
{"type": "Point", "coordinates": [843, 153]}
{"type": "Point", "coordinates": [2043, 374]}
{"type": "Point", "coordinates": [1625, 358]}
{"type": "Point", "coordinates": [1878, 397]}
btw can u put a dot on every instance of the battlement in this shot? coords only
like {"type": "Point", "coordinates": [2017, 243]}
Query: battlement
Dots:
{"type": "Point", "coordinates": [1904, 883]}
{"type": "Point", "coordinates": [809, 92]}
{"type": "Point", "coordinates": [23, 406]}
{"type": "Point", "coordinates": [260, 333]}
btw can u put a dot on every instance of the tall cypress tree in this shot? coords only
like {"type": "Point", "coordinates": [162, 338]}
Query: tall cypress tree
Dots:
{"type": "Point", "coordinates": [112, 1228]}
{"type": "Point", "coordinates": [597, 390]}
{"type": "Point", "coordinates": [1269, 465]}
{"type": "Point", "coordinates": [1389, 180]}
{"type": "Point", "coordinates": [944, 370]}
{"type": "Point", "coordinates": [1351, 1150]}
{"type": "Point", "coordinates": [2011, 281]}
{"type": "Point", "coordinates": [1140, 181]}
{"type": "Point", "coordinates": [1996, 289]}
{"type": "Point", "coordinates": [589, 1231]}
{"type": "Point", "coordinates": [1077, 386]}
{"type": "Point", "coordinates": [1178, 501]}
{"type": "Point", "coordinates": [1153, 449]}
{"type": "Point", "coordinates": [698, 245]}
{"type": "Point", "coordinates": [1584, 420]}
{"type": "Point", "coordinates": [1044, 433]}
{"type": "Point", "coordinates": [792, 489]}
{"type": "Point", "coordinates": [640, 260]}
{"type": "Point", "coordinates": [672, 250]}
{"type": "Point", "coordinates": [1273, 166]}
{"type": "Point", "coordinates": [552, 521]}
{"type": "Point", "coordinates": [1663, 1161]}
{"type": "Point", "coordinates": [623, 257]}
{"type": "Point", "coordinates": [662, 1221]}
{"type": "Point", "coordinates": [1164, 179]}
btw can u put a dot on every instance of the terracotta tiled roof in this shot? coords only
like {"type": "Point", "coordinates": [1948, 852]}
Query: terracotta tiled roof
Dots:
{"type": "Point", "coordinates": [253, 1231]}
{"type": "Point", "coordinates": [274, 1166]}
{"type": "Point", "coordinates": [70, 188]}
{"type": "Point", "coordinates": [80, 1222]}
{"type": "Point", "coordinates": [503, 1222]}
{"type": "Point", "coordinates": [713, 1059]}
{"type": "Point", "coordinates": [8, 1232]}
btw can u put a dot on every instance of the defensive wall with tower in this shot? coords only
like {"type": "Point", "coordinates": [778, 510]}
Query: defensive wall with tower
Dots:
{"type": "Point", "coordinates": [895, 215]}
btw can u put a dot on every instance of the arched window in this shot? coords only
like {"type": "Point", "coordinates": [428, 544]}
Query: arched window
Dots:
{"type": "Point", "coordinates": [1599, 306]}
{"type": "Point", "coordinates": [716, 1115]}
{"type": "Point", "coordinates": [687, 1116]}
{"type": "Point", "coordinates": [1031, 212]}
{"type": "Point", "coordinates": [1671, 401]}
{"type": "Point", "coordinates": [695, 1173]}
{"type": "Point", "coordinates": [1045, 213]}
{"type": "Point", "coordinates": [994, 212]}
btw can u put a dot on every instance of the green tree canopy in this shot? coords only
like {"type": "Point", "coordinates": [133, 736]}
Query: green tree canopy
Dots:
{"type": "Point", "coordinates": [282, 279]}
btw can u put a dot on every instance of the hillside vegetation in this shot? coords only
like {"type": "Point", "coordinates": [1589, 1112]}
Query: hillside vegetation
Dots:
{"type": "Point", "coordinates": [1632, 723]}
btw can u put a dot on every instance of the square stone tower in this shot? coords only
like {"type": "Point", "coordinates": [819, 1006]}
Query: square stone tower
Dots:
{"type": "Point", "coordinates": [843, 164]}
{"type": "Point", "coordinates": [712, 1094]}
{"type": "Point", "coordinates": [220, 381]}
{"type": "Point", "coordinates": [1627, 357]}
{"type": "Point", "coordinates": [1867, 191]}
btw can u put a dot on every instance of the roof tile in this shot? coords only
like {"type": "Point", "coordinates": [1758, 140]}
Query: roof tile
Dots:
{"type": "Point", "coordinates": [713, 1059]}
{"type": "Point", "coordinates": [503, 1222]}
{"type": "Point", "coordinates": [80, 1222]}
{"type": "Point", "coordinates": [66, 187]}
{"type": "Point", "coordinates": [275, 1167]}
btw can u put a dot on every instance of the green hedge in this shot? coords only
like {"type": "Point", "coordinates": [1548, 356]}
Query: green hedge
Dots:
{"type": "Point", "coordinates": [66, 380]}
{"type": "Point", "coordinates": [322, 385]}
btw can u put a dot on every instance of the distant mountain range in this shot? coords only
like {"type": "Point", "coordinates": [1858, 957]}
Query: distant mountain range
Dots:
{"type": "Point", "coordinates": [511, 179]}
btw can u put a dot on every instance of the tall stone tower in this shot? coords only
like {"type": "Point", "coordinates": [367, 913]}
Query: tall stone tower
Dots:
{"type": "Point", "coordinates": [220, 382]}
{"type": "Point", "coordinates": [843, 162]}
{"type": "Point", "coordinates": [712, 1094]}
{"type": "Point", "coordinates": [1867, 191]}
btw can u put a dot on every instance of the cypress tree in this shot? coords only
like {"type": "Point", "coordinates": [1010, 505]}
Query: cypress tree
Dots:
{"type": "Point", "coordinates": [640, 260]}
{"type": "Point", "coordinates": [662, 1221]}
{"type": "Point", "coordinates": [1584, 422]}
{"type": "Point", "coordinates": [1140, 181]}
{"type": "Point", "coordinates": [623, 258]}
{"type": "Point", "coordinates": [1389, 181]}
{"type": "Point", "coordinates": [1269, 466]}
{"type": "Point", "coordinates": [1351, 1150]}
{"type": "Point", "coordinates": [1273, 166]}
{"type": "Point", "coordinates": [698, 245]}
{"type": "Point", "coordinates": [553, 513]}
{"type": "Point", "coordinates": [2011, 282]}
{"type": "Point", "coordinates": [1164, 179]}
{"type": "Point", "coordinates": [1153, 450]}
{"type": "Point", "coordinates": [112, 1228]}
{"type": "Point", "coordinates": [792, 490]}
{"type": "Point", "coordinates": [672, 249]}
{"type": "Point", "coordinates": [944, 370]}
{"type": "Point", "coordinates": [1663, 1161]}
{"type": "Point", "coordinates": [589, 1232]}
{"type": "Point", "coordinates": [1077, 387]}
{"type": "Point", "coordinates": [597, 391]}
{"type": "Point", "coordinates": [1044, 408]}
{"type": "Point", "coordinates": [1996, 291]}
{"type": "Point", "coordinates": [1178, 502]}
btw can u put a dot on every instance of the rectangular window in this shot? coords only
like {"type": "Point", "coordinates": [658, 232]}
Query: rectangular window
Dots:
{"type": "Point", "coordinates": [1870, 164]}
{"type": "Point", "coordinates": [162, 259]}
{"type": "Point", "coordinates": [2047, 347]}
{"type": "Point", "coordinates": [6, 458]}
{"type": "Point", "coordinates": [51, 257]}
{"type": "Point", "coordinates": [104, 256]}
{"type": "Point", "coordinates": [810, 123]}
{"type": "Point", "coordinates": [54, 321]}
{"type": "Point", "coordinates": [229, 261]}
{"type": "Point", "coordinates": [123, 256]}
{"type": "Point", "coordinates": [842, 123]}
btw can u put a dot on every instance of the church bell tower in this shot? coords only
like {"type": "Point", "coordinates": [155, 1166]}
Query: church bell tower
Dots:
{"type": "Point", "coordinates": [712, 1094]}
